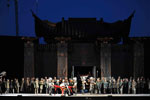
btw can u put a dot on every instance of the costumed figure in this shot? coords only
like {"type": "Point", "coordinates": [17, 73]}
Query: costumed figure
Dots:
{"type": "Point", "coordinates": [133, 86]}
{"type": "Point", "coordinates": [51, 85]}
{"type": "Point", "coordinates": [92, 83]}
{"type": "Point", "coordinates": [7, 86]}
{"type": "Point", "coordinates": [75, 85]}
{"type": "Point", "coordinates": [41, 85]}
{"type": "Point", "coordinates": [36, 86]}
{"type": "Point", "coordinates": [99, 85]}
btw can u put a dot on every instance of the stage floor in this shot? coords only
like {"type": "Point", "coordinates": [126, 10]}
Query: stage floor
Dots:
{"type": "Point", "coordinates": [77, 95]}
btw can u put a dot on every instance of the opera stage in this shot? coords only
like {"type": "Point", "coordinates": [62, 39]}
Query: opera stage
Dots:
{"type": "Point", "coordinates": [75, 97]}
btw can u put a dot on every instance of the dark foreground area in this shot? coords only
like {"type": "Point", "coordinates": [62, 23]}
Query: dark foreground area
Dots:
{"type": "Point", "coordinates": [75, 97]}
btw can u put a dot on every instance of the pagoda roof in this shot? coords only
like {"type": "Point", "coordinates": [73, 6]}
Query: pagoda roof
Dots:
{"type": "Point", "coordinates": [83, 28]}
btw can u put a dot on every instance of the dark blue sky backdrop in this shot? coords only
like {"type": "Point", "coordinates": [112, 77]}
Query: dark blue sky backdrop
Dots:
{"type": "Point", "coordinates": [54, 10]}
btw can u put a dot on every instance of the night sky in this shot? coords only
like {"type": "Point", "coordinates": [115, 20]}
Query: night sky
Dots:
{"type": "Point", "coordinates": [54, 10]}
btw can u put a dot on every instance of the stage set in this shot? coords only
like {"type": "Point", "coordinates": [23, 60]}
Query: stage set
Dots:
{"type": "Point", "coordinates": [75, 48]}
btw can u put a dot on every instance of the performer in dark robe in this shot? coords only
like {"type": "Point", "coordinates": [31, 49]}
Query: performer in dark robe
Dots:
{"type": "Point", "coordinates": [138, 86]}
{"type": "Point", "coordinates": [1, 85]}
{"type": "Point", "coordinates": [125, 86]}
{"type": "Point", "coordinates": [32, 85]}
{"type": "Point", "coordinates": [12, 86]}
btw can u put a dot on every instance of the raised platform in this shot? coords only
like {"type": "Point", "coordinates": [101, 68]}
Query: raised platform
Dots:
{"type": "Point", "coordinates": [75, 97]}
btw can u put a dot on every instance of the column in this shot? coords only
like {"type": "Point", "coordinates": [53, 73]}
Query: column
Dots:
{"type": "Point", "coordinates": [94, 71]}
{"type": "Point", "coordinates": [138, 60]}
{"type": "Point", "coordinates": [62, 60]}
{"type": "Point", "coordinates": [28, 59]}
{"type": "Point", "coordinates": [105, 59]}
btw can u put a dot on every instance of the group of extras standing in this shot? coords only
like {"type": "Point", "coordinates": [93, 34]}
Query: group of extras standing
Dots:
{"type": "Point", "coordinates": [76, 85]}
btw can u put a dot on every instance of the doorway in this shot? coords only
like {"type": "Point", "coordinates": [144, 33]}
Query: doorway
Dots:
{"type": "Point", "coordinates": [83, 71]}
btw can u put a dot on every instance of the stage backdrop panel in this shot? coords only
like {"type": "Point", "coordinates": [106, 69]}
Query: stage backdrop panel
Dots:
{"type": "Point", "coordinates": [122, 60]}
{"type": "Point", "coordinates": [83, 54]}
{"type": "Point", "coordinates": [45, 60]}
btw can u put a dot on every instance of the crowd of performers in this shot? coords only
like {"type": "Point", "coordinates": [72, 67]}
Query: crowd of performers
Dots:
{"type": "Point", "coordinates": [76, 85]}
